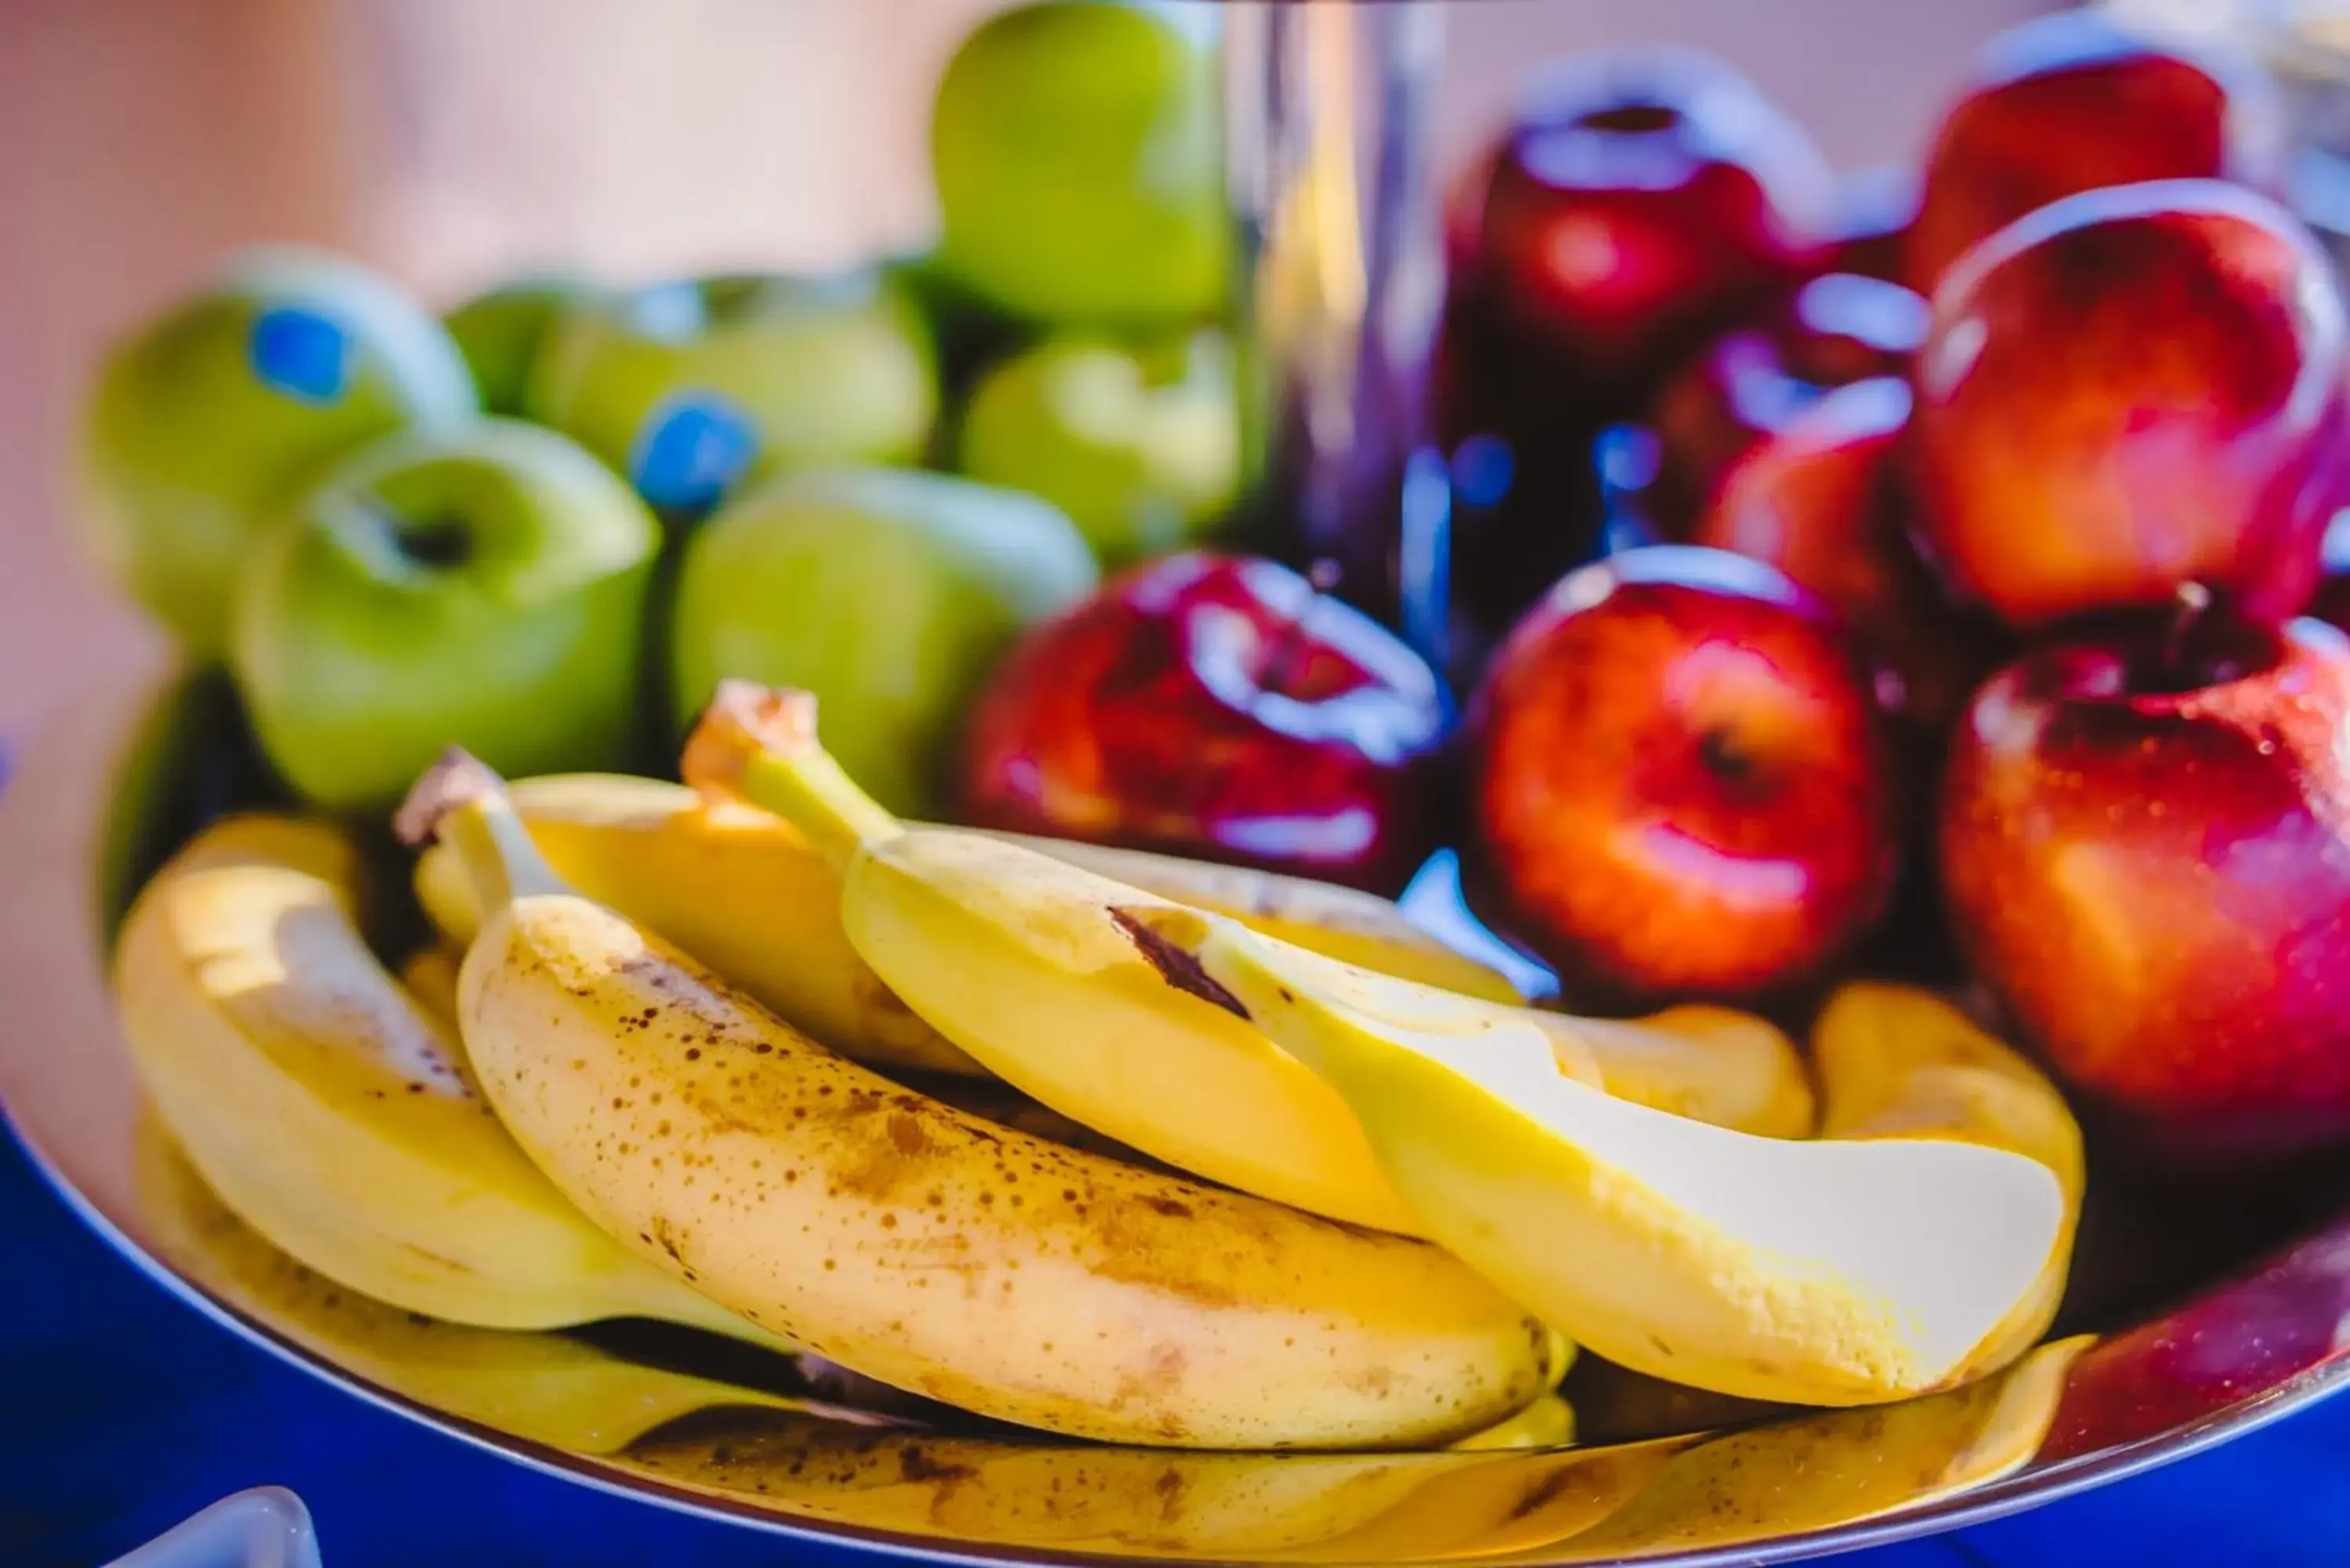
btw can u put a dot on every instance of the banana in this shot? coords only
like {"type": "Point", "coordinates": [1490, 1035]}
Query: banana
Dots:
{"type": "Point", "coordinates": [921, 1246]}
{"type": "Point", "coordinates": [1834, 1272]}
{"type": "Point", "coordinates": [331, 1111]}
{"type": "Point", "coordinates": [541, 1387]}
{"type": "Point", "coordinates": [743, 893]}
{"type": "Point", "coordinates": [1816, 1472]}
{"type": "Point", "coordinates": [1064, 1500]}
{"type": "Point", "coordinates": [1838, 1468]}
{"type": "Point", "coordinates": [988, 939]}
{"type": "Point", "coordinates": [1897, 1062]}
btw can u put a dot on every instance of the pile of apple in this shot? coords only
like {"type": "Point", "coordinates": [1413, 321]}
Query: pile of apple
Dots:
{"type": "Point", "coordinates": [1976, 528]}
{"type": "Point", "coordinates": [1960, 562]}
{"type": "Point", "coordinates": [543, 526]}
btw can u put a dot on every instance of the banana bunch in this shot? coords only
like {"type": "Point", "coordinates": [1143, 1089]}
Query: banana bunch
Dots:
{"type": "Point", "coordinates": [1646, 1188]}
{"type": "Point", "coordinates": [1167, 1155]}
{"type": "Point", "coordinates": [921, 1246]}
{"type": "Point", "coordinates": [331, 1110]}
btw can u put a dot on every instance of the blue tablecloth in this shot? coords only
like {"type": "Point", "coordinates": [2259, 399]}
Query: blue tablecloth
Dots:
{"type": "Point", "coordinates": [125, 1411]}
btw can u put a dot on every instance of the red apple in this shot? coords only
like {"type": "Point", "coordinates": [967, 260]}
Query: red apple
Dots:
{"type": "Point", "coordinates": [2080, 100]}
{"type": "Point", "coordinates": [1870, 230]}
{"type": "Point", "coordinates": [1823, 502]}
{"type": "Point", "coordinates": [1218, 707]}
{"type": "Point", "coordinates": [1640, 200]}
{"type": "Point", "coordinates": [2146, 848]}
{"type": "Point", "coordinates": [2131, 390]}
{"type": "Point", "coordinates": [1678, 783]}
{"type": "Point", "coordinates": [1755, 382]}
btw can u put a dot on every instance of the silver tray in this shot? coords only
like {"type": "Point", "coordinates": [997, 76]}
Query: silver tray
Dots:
{"type": "Point", "coordinates": [2208, 1330]}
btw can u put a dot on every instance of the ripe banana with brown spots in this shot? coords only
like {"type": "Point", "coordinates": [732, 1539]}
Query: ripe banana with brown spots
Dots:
{"type": "Point", "coordinates": [333, 1113]}
{"type": "Point", "coordinates": [921, 1246]}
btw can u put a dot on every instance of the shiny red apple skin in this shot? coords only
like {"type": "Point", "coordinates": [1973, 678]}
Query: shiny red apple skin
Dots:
{"type": "Point", "coordinates": [1678, 783]}
{"type": "Point", "coordinates": [1756, 380]}
{"type": "Point", "coordinates": [1825, 501]}
{"type": "Point", "coordinates": [1218, 707]}
{"type": "Point", "coordinates": [2077, 102]}
{"type": "Point", "coordinates": [2130, 389]}
{"type": "Point", "coordinates": [2144, 853]}
{"type": "Point", "coordinates": [1640, 202]}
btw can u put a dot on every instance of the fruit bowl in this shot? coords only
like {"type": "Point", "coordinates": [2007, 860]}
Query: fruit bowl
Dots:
{"type": "Point", "coordinates": [1687, 773]}
{"type": "Point", "coordinates": [2202, 1329]}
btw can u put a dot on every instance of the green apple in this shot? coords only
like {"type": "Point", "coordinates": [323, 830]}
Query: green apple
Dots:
{"type": "Point", "coordinates": [205, 422]}
{"type": "Point", "coordinates": [693, 387]}
{"type": "Point", "coordinates": [502, 331]}
{"type": "Point", "coordinates": [1140, 448]}
{"type": "Point", "coordinates": [1078, 156]}
{"type": "Point", "coordinates": [484, 588]}
{"type": "Point", "coordinates": [886, 592]}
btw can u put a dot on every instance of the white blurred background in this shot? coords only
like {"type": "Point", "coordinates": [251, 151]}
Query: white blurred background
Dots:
{"type": "Point", "coordinates": [448, 139]}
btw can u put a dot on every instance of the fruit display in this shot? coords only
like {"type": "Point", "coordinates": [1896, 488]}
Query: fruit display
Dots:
{"type": "Point", "coordinates": [1885, 797]}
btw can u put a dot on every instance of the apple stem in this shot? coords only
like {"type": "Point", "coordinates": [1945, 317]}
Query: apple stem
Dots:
{"type": "Point", "coordinates": [462, 802]}
{"type": "Point", "coordinates": [759, 745]}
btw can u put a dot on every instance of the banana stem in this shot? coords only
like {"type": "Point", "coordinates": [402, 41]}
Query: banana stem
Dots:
{"type": "Point", "coordinates": [760, 745]}
{"type": "Point", "coordinates": [464, 804]}
{"type": "Point", "coordinates": [813, 794]}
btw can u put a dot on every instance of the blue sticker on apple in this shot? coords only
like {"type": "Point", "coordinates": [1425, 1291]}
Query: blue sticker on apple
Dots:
{"type": "Point", "coordinates": [690, 448]}
{"type": "Point", "coordinates": [301, 353]}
